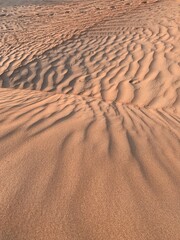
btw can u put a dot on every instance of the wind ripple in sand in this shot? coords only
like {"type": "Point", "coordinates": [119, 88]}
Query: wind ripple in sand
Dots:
{"type": "Point", "coordinates": [137, 65]}
{"type": "Point", "coordinates": [129, 168]}
{"type": "Point", "coordinates": [89, 139]}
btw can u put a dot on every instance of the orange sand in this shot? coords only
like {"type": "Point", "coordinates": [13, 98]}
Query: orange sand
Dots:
{"type": "Point", "coordinates": [89, 120]}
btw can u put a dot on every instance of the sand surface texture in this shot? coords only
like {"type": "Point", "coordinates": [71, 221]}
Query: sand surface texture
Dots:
{"type": "Point", "coordinates": [89, 120]}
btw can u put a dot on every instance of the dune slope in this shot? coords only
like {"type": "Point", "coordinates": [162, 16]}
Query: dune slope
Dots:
{"type": "Point", "coordinates": [89, 113]}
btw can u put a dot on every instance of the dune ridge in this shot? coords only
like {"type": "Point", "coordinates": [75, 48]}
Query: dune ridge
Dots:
{"type": "Point", "coordinates": [89, 136]}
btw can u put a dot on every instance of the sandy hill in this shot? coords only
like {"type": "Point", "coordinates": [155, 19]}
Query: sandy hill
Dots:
{"type": "Point", "coordinates": [89, 114]}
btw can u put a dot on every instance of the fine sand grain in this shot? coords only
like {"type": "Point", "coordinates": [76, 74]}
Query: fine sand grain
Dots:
{"type": "Point", "coordinates": [89, 120]}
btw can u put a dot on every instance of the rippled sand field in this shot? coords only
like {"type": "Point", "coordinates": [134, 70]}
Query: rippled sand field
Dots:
{"type": "Point", "coordinates": [90, 120]}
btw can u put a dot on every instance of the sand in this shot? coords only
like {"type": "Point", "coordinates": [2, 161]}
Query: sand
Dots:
{"type": "Point", "coordinates": [89, 120]}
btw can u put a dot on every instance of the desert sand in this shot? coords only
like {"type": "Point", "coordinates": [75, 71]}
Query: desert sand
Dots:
{"type": "Point", "coordinates": [89, 120]}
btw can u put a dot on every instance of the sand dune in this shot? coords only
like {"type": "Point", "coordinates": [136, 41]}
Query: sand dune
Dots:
{"type": "Point", "coordinates": [89, 113]}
